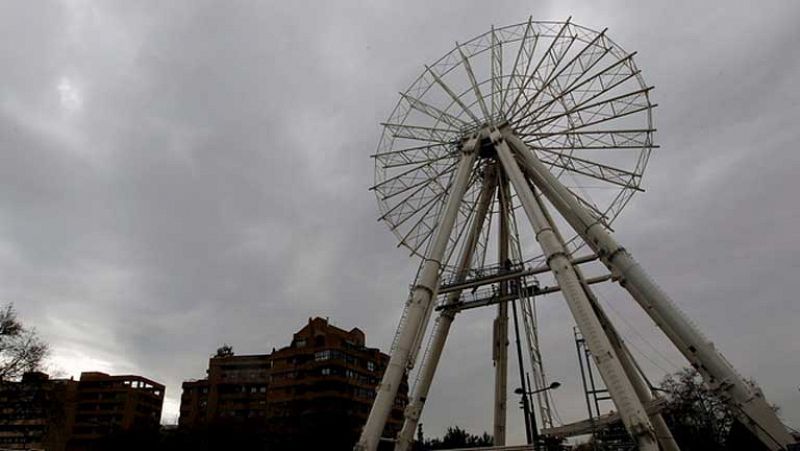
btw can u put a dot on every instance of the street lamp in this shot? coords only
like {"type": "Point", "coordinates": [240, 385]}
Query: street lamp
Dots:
{"type": "Point", "coordinates": [552, 386]}
{"type": "Point", "coordinates": [522, 392]}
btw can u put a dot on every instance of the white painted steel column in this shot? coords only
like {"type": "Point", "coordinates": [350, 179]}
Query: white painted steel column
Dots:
{"type": "Point", "coordinates": [418, 306]}
{"type": "Point", "coordinates": [619, 387]}
{"type": "Point", "coordinates": [444, 321]}
{"type": "Point", "coordinates": [746, 401]}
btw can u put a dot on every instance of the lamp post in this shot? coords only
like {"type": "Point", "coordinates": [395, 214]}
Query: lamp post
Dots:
{"type": "Point", "coordinates": [525, 394]}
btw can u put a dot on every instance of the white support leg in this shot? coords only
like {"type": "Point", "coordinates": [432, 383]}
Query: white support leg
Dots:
{"type": "Point", "coordinates": [620, 388]}
{"type": "Point", "coordinates": [746, 401]}
{"type": "Point", "coordinates": [444, 321]}
{"type": "Point", "coordinates": [418, 307]}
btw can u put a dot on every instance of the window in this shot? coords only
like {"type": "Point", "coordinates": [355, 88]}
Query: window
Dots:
{"type": "Point", "coordinates": [322, 355]}
{"type": "Point", "coordinates": [325, 371]}
{"type": "Point", "coordinates": [300, 343]}
{"type": "Point", "coordinates": [371, 365]}
{"type": "Point", "coordinates": [363, 393]}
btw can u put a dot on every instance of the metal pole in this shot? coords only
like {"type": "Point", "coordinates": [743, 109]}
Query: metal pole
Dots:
{"type": "Point", "coordinates": [445, 319]}
{"type": "Point", "coordinates": [746, 401]}
{"type": "Point", "coordinates": [418, 306]}
{"type": "Point", "coordinates": [534, 425]}
{"type": "Point", "coordinates": [526, 406]}
{"type": "Point", "coordinates": [500, 329]}
{"type": "Point", "coordinates": [534, 429]}
{"type": "Point", "coordinates": [581, 361]}
{"type": "Point", "coordinates": [631, 410]}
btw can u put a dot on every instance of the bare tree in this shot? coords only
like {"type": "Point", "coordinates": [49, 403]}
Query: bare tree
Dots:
{"type": "Point", "coordinates": [21, 348]}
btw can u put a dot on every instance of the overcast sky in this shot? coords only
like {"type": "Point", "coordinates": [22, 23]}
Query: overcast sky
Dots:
{"type": "Point", "coordinates": [180, 174]}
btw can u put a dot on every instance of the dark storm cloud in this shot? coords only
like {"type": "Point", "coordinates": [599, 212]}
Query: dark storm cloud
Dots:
{"type": "Point", "coordinates": [180, 174]}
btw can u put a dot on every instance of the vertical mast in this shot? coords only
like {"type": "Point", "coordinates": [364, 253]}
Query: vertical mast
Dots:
{"type": "Point", "coordinates": [500, 329]}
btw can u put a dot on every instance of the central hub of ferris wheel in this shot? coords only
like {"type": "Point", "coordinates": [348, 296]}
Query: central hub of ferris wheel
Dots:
{"type": "Point", "coordinates": [498, 146]}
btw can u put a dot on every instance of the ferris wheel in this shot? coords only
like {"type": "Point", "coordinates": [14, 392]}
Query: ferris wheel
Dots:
{"type": "Point", "coordinates": [506, 157]}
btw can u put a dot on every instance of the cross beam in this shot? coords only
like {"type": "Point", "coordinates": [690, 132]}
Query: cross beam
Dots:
{"type": "Point", "coordinates": [532, 290]}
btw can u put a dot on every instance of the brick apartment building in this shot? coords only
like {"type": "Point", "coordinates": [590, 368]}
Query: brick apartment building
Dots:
{"type": "Point", "coordinates": [108, 404]}
{"type": "Point", "coordinates": [325, 379]}
{"type": "Point", "coordinates": [39, 413]}
{"type": "Point", "coordinates": [235, 388]}
{"type": "Point", "coordinates": [36, 413]}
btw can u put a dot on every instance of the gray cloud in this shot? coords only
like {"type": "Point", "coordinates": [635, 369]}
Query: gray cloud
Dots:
{"type": "Point", "coordinates": [177, 175]}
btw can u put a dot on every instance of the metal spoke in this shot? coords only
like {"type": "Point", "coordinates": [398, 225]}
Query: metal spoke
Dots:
{"type": "Point", "coordinates": [469, 215]}
{"type": "Point", "coordinates": [576, 129]}
{"type": "Point", "coordinates": [570, 132]}
{"type": "Point", "coordinates": [589, 81]}
{"type": "Point", "coordinates": [393, 160]}
{"type": "Point", "coordinates": [403, 202]}
{"type": "Point", "coordinates": [592, 140]}
{"type": "Point", "coordinates": [553, 75]}
{"type": "Point", "coordinates": [402, 174]}
{"type": "Point", "coordinates": [415, 228]}
{"type": "Point", "coordinates": [538, 65]}
{"type": "Point", "coordinates": [433, 177]}
{"type": "Point", "coordinates": [497, 74]}
{"type": "Point", "coordinates": [406, 163]}
{"type": "Point", "coordinates": [399, 222]}
{"type": "Point", "coordinates": [473, 82]}
{"type": "Point", "coordinates": [569, 65]}
{"type": "Point", "coordinates": [452, 95]}
{"type": "Point", "coordinates": [419, 133]}
{"type": "Point", "coordinates": [407, 149]}
{"type": "Point", "coordinates": [617, 105]}
{"type": "Point", "coordinates": [471, 183]}
{"type": "Point", "coordinates": [423, 238]}
{"type": "Point", "coordinates": [606, 173]}
{"type": "Point", "coordinates": [599, 147]}
{"type": "Point", "coordinates": [433, 112]}
{"type": "Point", "coordinates": [520, 51]}
{"type": "Point", "coordinates": [596, 213]}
